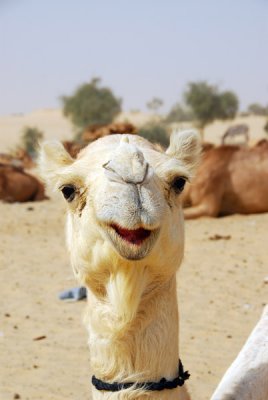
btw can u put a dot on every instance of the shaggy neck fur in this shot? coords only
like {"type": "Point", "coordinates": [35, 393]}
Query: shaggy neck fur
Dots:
{"type": "Point", "coordinates": [134, 329]}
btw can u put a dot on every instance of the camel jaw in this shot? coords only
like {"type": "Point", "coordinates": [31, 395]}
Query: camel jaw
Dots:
{"type": "Point", "coordinates": [132, 244]}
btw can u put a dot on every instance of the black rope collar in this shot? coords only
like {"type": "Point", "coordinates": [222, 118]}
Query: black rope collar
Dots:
{"type": "Point", "coordinates": [148, 386]}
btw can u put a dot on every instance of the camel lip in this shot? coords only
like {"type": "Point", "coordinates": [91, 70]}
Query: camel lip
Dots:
{"type": "Point", "coordinates": [131, 244]}
{"type": "Point", "coordinates": [132, 236]}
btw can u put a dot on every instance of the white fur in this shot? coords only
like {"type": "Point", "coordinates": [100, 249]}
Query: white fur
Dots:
{"type": "Point", "coordinates": [132, 313]}
{"type": "Point", "coordinates": [247, 377]}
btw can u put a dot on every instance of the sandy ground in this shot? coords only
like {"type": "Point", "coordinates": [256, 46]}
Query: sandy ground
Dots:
{"type": "Point", "coordinates": [50, 121]}
{"type": "Point", "coordinates": [221, 291]}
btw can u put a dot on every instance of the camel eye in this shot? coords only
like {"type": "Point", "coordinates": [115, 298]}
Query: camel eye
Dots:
{"type": "Point", "coordinates": [178, 184]}
{"type": "Point", "coordinates": [68, 192]}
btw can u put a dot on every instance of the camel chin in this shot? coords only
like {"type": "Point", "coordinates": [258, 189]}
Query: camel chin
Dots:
{"type": "Point", "coordinates": [131, 244]}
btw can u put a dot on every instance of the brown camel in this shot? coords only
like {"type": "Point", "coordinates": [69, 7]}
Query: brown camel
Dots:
{"type": "Point", "coordinates": [97, 131]}
{"type": "Point", "coordinates": [20, 158]}
{"type": "Point", "coordinates": [25, 158]}
{"type": "Point", "coordinates": [229, 180]}
{"type": "Point", "coordinates": [18, 186]}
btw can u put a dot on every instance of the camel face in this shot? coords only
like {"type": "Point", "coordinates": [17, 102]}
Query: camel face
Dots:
{"type": "Point", "coordinates": [123, 197]}
{"type": "Point", "coordinates": [129, 205]}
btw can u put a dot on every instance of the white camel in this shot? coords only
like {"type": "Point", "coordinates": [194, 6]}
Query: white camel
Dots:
{"type": "Point", "coordinates": [125, 236]}
{"type": "Point", "coordinates": [247, 377]}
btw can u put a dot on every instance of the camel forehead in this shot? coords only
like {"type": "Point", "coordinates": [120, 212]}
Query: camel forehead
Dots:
{"type": "Point", "coordinates": [110, 142]}
{"type": "Point", "coordinates": [101, 150]}
{"type": "Point", "coordinates": [89, 164]}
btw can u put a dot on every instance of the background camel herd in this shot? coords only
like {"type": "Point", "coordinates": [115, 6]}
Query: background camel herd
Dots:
{"type": "Point", "coordinates": [230, 178]}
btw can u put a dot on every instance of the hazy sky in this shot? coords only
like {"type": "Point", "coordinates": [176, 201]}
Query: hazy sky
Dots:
{"type": "Point", "coordinates": [140, 48]}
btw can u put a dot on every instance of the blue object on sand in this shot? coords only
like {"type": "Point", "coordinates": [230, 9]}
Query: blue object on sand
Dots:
{"type": "Point", "coordinates": [75, 294]}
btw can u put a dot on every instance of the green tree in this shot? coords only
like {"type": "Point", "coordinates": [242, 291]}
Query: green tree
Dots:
{"type": "Point", "coordinates": [208, 104]}
{"type": "Point", "coordinates": [154, 104]}
{"type": "Point", "coordinates": [257, 109]}
{"type": "Point", "coordinates": [203, 101]}
{"type": "Point", "coordinates": [266, 127]}
{"type": "Point", "coordinates": [30, 138]}
{"type": "Point", "coordinates": [91, 105]}
{"type": "Point", "coordinates": [178, 113]}
{"type": "Point", "coordinates": [228, 105]}
{"type": "Point", "coordinates": [155, 133]}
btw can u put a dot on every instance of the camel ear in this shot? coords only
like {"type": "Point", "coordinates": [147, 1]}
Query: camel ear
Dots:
{"type": "Point", "coordinates": [186, 147]}
{"type": "Point", "coordinates": [53, 159]}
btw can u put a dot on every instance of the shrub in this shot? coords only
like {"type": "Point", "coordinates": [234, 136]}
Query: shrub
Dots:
{"type": "Point", "coordinates": [227, 105]}
{"type": "Point", "coordinates": [30, 138]}
{"type": "Point", "coordinates": [178, 113]}
{"type": "Point", "coordinates": [91, 105]}
{"type": "Point", "coordinates": [155, 133]}
{"type": "Point", "coordinates": [155, 104]}
{"type": "Point", "coordinates": [266, 127]}
{"type": "Point", "coordinates": [208, 104]}
{"type": "Point", "coordinates": [257, 109]}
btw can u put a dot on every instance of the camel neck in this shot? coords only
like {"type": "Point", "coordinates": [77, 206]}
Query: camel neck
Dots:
{"type": "Point", "coordinates": [141, 341]}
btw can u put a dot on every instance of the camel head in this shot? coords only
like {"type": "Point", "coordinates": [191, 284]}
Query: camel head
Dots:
{"type": "Point", "coordinates": [123, 199]}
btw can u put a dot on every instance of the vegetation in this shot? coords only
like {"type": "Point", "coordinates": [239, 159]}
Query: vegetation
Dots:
{"type": "Point", "coordinates": [207, 103]}
{"type": "Point", "coordinates": [155, 104]}
{"type": "Point", "coordinates": [155, 133]}
{"type": "Point", "coordinates": [30, 138]}
{"type": "Point", "coordinates": [258, 109]}
{"type": "Point", "coordinates": [266, 127]}
{"type": "Point", "coordinates": [178, 113]}
{"type": "Point", "coordinates": [91, 105]}
{"type": "Point", "coordinates": [228, 104]}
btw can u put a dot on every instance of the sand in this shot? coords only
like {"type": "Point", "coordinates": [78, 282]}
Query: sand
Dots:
{"type": "Point", "coordinates": [50, 122]}
{"type": "Point", "coordinates": [221, 290]}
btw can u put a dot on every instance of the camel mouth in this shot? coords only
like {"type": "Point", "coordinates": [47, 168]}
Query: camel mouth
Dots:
{"type": "Point", "coordinates": [132, 244]}
{"type": "Point", "coordinates": [133, 236]}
